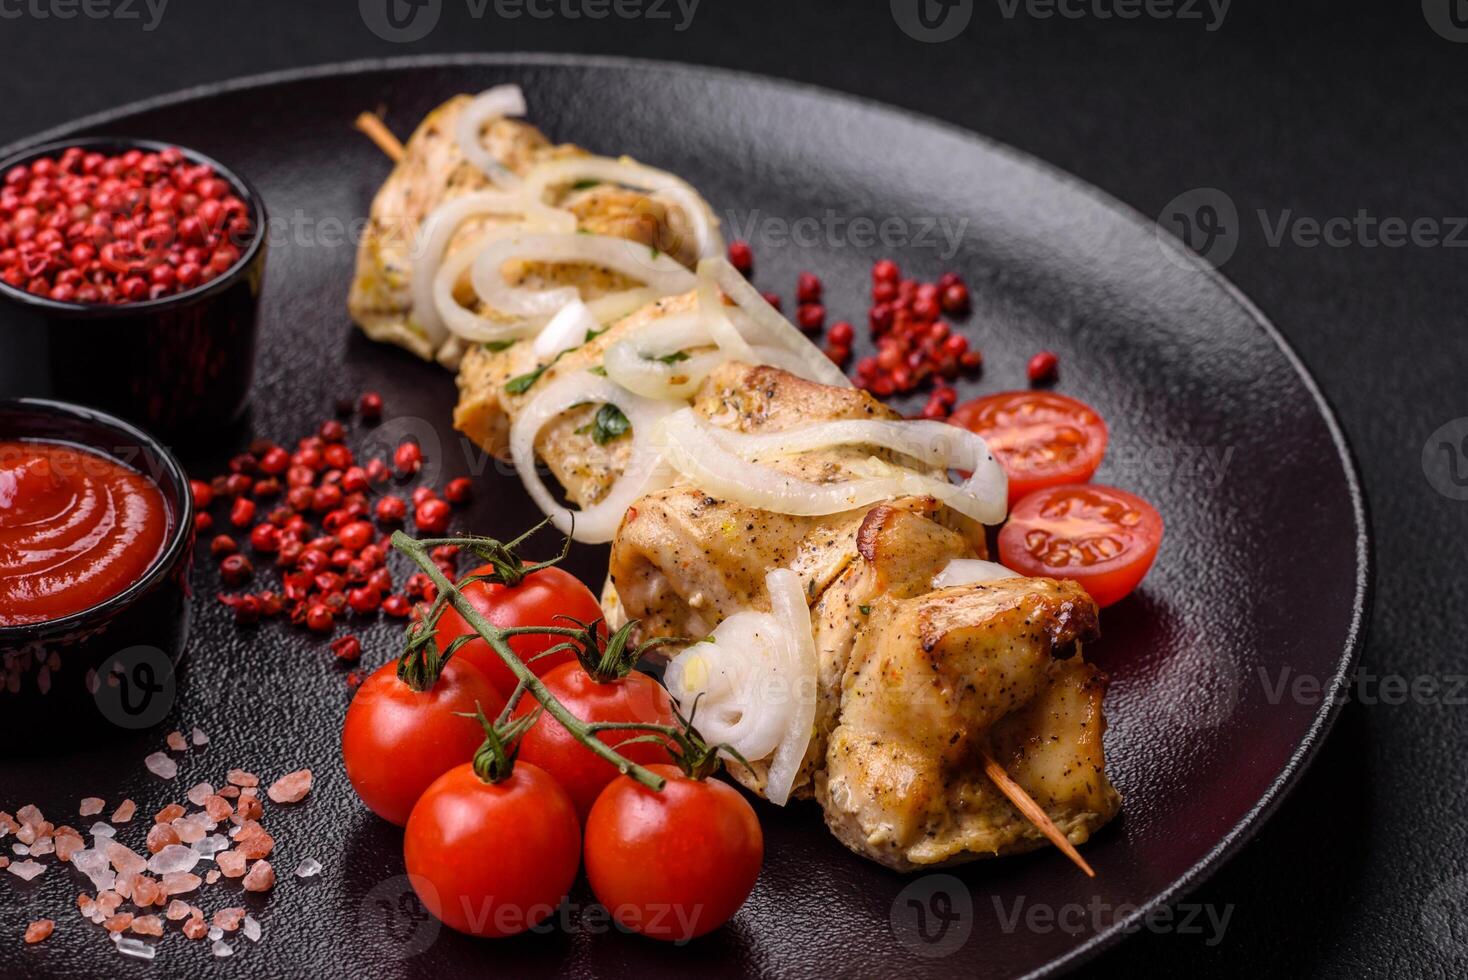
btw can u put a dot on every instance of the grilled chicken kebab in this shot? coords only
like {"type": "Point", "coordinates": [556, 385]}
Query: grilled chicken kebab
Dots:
{"type": "Point", "coordinates": [841, 628]}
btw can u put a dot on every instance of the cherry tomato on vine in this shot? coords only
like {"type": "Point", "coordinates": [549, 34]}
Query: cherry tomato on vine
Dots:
{"type": "Point", "coordinates": [492, 858]}
{"type": "Point", "coordinates": [536, 601]}
{"type": "Point", "coordinates": [1101, 537]}
{"type": "Point", "coordinates": [633, 698]}
{"type": "Point", "coordinates": [675, 864]}
{"type": "Point", "coordinates": [396, 741]}
{"type": "Point", "coordinates": [1040, 438]}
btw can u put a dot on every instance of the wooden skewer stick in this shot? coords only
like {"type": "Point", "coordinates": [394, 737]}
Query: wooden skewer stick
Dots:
{"type": "Point", "coordinates": [376, 130]}
{"type": "Point", "coordinates": [1033, 812]}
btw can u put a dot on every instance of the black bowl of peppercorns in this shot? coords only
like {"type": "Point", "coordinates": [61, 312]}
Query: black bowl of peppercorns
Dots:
{"type": "Point", "coordinates": [130, 276]}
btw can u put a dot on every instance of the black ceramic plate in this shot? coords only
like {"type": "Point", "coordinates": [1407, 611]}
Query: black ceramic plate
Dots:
{"type": "Point", "coordinates": [1263, 575]}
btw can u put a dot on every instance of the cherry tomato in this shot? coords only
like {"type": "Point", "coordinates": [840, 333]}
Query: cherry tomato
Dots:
{"type": "Point", "coordinates": [396, 741]}
{"type": "Point", "coordinates": [583, 775]}
{"type": "Point", "coordinates": [675, 864]}
{"type": "Point", "coordinates": [1101, 537]}
{"type": "Point", "coordinates": [1040, 438]}
{"type": "Point", "coordinates": [492, 859]}
{"type": "Point", "coordinates": [536, 601]}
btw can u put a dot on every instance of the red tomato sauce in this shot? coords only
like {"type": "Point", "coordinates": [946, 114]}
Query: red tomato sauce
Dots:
{"type": "Point", "coordinates": [76, 529]}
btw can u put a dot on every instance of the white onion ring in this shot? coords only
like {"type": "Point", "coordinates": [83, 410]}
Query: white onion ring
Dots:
{"type": "Point", "coordinates": [565, 331]}
{"type": "Point", "coordinates": [971, 571]}
{"type": "Point", "coordinates": [725, 683]}
{"type": "Point", "coordinates": [775, 328]}
{"type": "Point", "coordinates": [598, 523]}
{"type": "Point", "coordinates": [788, 604]}
{"type": "Point", "coordinates": [629, 173]}
{"type": "Point", "coordinates": [491, 104]}
{"type": "Point", "coordinates": [438, 229]}
{"type": "Point", "coordinates": [722, 463]}
{"type": "Point", "coordinates": [660, 272]}
{"type": "Point", "coordinates": [465, 323]}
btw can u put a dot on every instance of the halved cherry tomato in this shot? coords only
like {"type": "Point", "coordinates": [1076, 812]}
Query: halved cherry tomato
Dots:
{"type": "Point", "coordinates": [492, 859]}
{"type": "Point", "coordinates": [536, 601]}
{"type": "Point", "coordinates": [673, 864]}
{"type": "Point", "coordinates": [634, 698]}
{"type": "Point", "coordinates": [1101, 537]}
{"type": "Point", "coordinates": [1040, 438]}
{"type": "Point", "coordinates": [396, 741]}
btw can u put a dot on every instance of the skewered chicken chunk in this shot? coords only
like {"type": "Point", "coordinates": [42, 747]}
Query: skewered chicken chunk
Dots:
{"type": "Point", "coordinates": [434, 170]}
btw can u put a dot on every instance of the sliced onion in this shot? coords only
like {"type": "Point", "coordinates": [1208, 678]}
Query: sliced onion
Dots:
{"type": "Point", "coordinates": [787, 602]}
{"type": "Point", "coordinates": [726, 681]}
{"type": "Point", "coordinates": [598, 523]}
{"type": "Point", "coordinates": [438, 230]}
{"type": "Point", "coordinates": [723, 463]}
{"type": "Point", "coordinates": [658, 271]}
{"type": "Point", "coordinates": [773, 328]}
{"type": "Point", "coordinates": [494, 103]}
{"type": "Point", "coordinates": [630, 173]}
{"type": "Point", "coordinates": [970, 571]}
{"type": "Point", "coordinates": [716, 319]}
{"type": "Point", "coordinates": [566, 330]}
{"type": "Point", "coordinates": [465, 323]}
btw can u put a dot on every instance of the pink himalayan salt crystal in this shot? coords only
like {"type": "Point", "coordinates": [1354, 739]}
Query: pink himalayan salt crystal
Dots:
{"type": "Point", "coordinates": [160, 765]}
{"type": "Point", "coordinates": [68, 844]}
{"type": "Point", "coordinates": [180, 882]}
{"type": "Point", "coordinates": [124, 858]}
{"type": "Point", "coordinates": [160, 836]}
{"type": "Point", "coordinates": [118, 922]}
{"type": "Point", "coordinates": [29, 814]}
{"type": "Point", "coordinates": [7, 824]}
{"type": "Point", "coordinates": [196, 928]}
{"type": "Point", "coordinates": [169, 813]}
{"type": "Point", "coordinates": [124, 812]}
{"type": "Point", "coordinates": [261, 877]}
{"type": "Point", "coordinates": [252, 841]}
{"type": "Point", "coordinates": [42, 847]}
{"type": "Point", "coordinates": [218, 808]}
{"type": "Point", "coordinates": [249, 808]}
{"type": "Point", "coordinates": [91, 806]}
{"type": "Point", "coordinates": [198, 737]}
{"type": "Point", "coordinates": [231, 863]}
{"type": "Point", "coordinates": [148, 925]}
{"type": "Point", "coordinates": [190, 829]}
{"type": "Point", "coordinates": [199, 793]}
{"type": "Point", "coordinates": [229, 792]}
{"type": "Point", "coordinates": [29, 833]}
{"type": "Point", "coordinates": [177, 742]}
{"type": "Point", "coordinates": [177, 910]}
{"type": "Point", "coordinates": [229, 919]}
{"type": "Point", "coordinates": [211, 877]}
{"type": "Point", "coordinates": [241, 778]}
{"type": "Point", "coordinates": [108, 902]}
{"type": "Point", "coordinates": [124, 884]}
{"type": "Point", "coordinates": [4, 862]}
{"type": "Point", "coordinates": [147, 891]}
{"type": "Point", "coordinates": [85, 903]}
{"type": "Point", "coordinates": [290, 788]}
{"type": "Point", "coordinates": [38, 930]}
{"type": "Point", "coordinates": [26, 870]}
{"type": "Point", "coordinates": [250, 791]}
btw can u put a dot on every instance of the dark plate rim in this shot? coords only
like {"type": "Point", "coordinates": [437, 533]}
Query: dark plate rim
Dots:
{"type": "Point", "coordinates": [1252, 821]}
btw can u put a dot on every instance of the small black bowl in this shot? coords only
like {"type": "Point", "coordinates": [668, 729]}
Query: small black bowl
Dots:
{"type": "Point", "coordinates": [113, 664]}
{"type": "Point", "coordinates": [179, 365]}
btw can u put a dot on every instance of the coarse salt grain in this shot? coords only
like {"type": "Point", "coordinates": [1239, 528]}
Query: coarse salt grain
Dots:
{"type": "Point", "coordinates": [211, 845]}
{"type": "Point", "coordinates": [211, 877]}
{"type": "Point", "coordinates": [261, 877]}
{"type": "Point", "coordinates": [215, 932]}
{"type": "Point", "coordinates": [180, 882]}
{"type": "Point", "coordinates": [251, 929]}
{"type": "Point", "coordinates": [177, 910]}
{"type": "Point", "coordinates": [308, 868]}
{"type": "Point", "coordinates": [148, 925]}
{"type": "Point", "coordinates": [176, 742]}
{"type": "Point", "coordinates": [41, 928]}
{"type": "Point", "coordinates": [198, 737]}
{"type": "Point", "coordinates": [136, 948]}
{"type": "Point", "coordinates": [222, 948]}
{"type": "Point", "coordinates": [200, 793]}
{"type": "Point", "coordinates": [91, 806]}
{"type": "Point", "coordinates": [229, 919]}
{"type": "Point", "coordinates": [100, 829]}
{"type": "Point", "coordinates": [26, 870]}
{"type": "Point", "coordinates": [160, 765]}
{"type": "Point", "coordinates": [290, 788]}
{"type": "Point", "coordinates": [241, 778]}
{"type": "Point", "coordinates": [173, 859]}
{"type": "Point", "coordinates": [124, 812]}
{"type": "Point", "coordinates": [231, 863]}
{"type": "Point", "coordinates": [195, 927]}
{"type": "Point", "coordinates": [124, 858]}
{"type": "Point", "coordinates": [19, 849]}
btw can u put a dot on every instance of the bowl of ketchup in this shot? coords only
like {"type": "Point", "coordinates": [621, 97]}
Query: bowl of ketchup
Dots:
{"type": "Point", "coordinates": [96, 536]}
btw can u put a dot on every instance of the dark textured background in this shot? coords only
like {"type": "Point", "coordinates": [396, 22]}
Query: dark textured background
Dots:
{"type": "Point", "coordinates": [1310, 109]}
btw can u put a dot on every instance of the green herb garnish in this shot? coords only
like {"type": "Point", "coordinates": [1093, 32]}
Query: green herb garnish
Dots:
{"type": "Point", "coordinates": [521, 383]}
{"type": "Point", "coordinates": [609, 424]}
{"type": "Point", "coordinates": [674, 357]}
{"type": "Point", "coordinates": [495, 346]}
